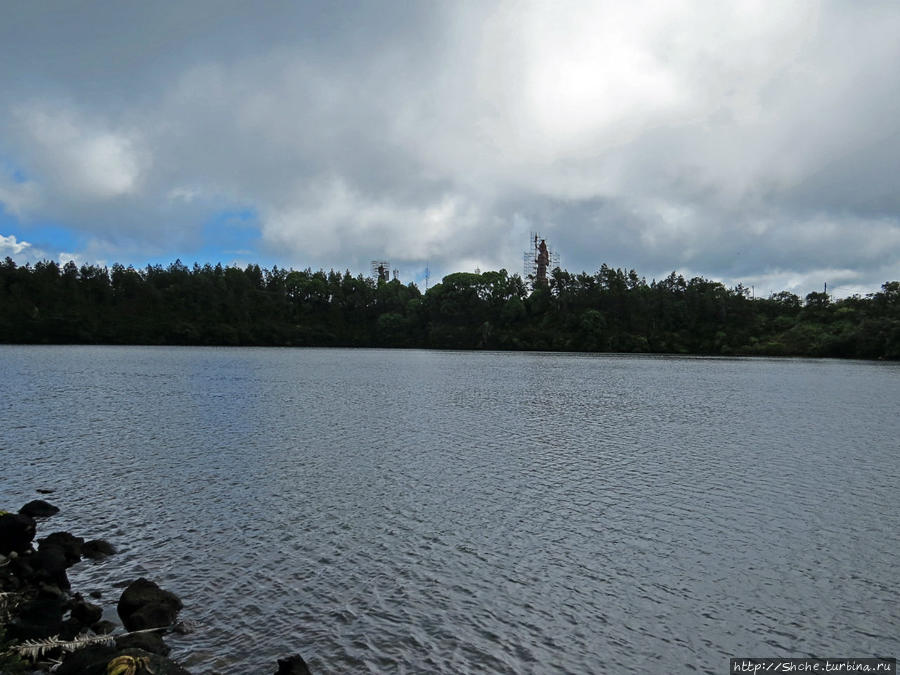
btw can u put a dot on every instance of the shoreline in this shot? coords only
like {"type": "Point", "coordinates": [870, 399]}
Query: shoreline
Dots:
{"type": "Point", "coordinates": [47, 626]}
{"type": "Point", "coordinates": [482, 350]}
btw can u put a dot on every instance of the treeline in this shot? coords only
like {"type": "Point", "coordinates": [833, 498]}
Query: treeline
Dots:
{"type": "Point", "coordinates": [611, 311]}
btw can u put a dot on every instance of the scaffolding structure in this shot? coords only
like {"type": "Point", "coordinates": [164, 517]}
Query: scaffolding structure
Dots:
{"type": "Point", "coordinates": [536, 261]}
{"type": "Point", "coordinates": [381, 270]}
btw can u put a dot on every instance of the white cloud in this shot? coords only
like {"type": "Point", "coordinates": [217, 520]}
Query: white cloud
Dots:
{"type": "Point", "coordinates": [80, 259]}
{"type": "Point", "coordinates": [77, 158]}
{"type": "Point", "coordinates": [10, 246]}
{"type": "Point", "coordinates": [331, 217]}
{"type": "Point", "coordinates": [22, 252]}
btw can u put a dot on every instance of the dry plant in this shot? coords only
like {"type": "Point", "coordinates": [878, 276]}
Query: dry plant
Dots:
{"type": "Point", "coordinates": [35, 649]}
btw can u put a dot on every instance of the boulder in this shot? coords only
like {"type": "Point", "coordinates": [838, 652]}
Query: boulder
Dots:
{"type": "Point", "coordinates": [16, 533]}
{"type": "Point", "coordinates": [104, 627]}
{"type": "Point", "coordinates": [292, 665]}
{"type": "Point", "coordinates": [87, 661]}
{"type": "Point", "coordinates": [149, 642]}
{"type": "Point", "coordinates": [69, 544]}
{"type": "Point", "coordinates": [39, 509]}
{"type": "Point", "coordinates": [153, 615]}
{"type": "Point", "coordinates": [86, 613]}
{"type": "Point", "coordinates": [95, 660]}
{"type": "Point", "coordinates": [97, 549]}
{"type": "Point", "coordinates": [145, 605]}
{"type": "Point", "coordinates": [40, 618]}
{"type": "Point", "coordinates": [71, 629]}
{"type": "Point", "coordinates": [48, 565]}
{"type": "Point", "coordinates": [158, 665]}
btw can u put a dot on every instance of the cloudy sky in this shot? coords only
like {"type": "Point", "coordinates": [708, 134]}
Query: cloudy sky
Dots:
{"type": "Point", "coordinates": [753, 142]}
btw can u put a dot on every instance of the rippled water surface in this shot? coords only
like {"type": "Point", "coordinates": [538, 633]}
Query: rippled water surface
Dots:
{"type": "Point", "coordinates": [413, 511]}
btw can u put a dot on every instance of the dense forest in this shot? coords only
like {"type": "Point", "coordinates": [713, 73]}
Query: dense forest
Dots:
{"type": "Point", "coordinates": [611, 311]}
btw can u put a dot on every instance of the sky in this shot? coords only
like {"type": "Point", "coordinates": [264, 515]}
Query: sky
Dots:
{"type": "Point", "coordinates": [746, 142]}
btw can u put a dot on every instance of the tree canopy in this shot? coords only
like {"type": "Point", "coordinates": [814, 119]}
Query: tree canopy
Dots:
{"type": "Point", "coordinates": [613, 310]}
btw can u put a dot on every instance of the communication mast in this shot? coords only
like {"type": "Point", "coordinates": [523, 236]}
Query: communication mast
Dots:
{"type": "Point", "coordinates": [538, 259]}
{"type": "Point", "coordinates": [381, 270]}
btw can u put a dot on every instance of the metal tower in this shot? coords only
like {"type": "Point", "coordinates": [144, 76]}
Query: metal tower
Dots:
{"type": "Point", "coordinates": [381, 270]}
{"type": "Point", "coordinates": [538, 260]}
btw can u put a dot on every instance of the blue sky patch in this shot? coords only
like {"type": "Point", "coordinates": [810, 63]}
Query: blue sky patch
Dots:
{"type": "Point", "coordinates": [229, 235]}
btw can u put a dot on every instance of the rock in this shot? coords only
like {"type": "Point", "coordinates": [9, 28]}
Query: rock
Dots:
{"type": "Point", "coordinates": [87, 661]}
{"type": "Point", "coordinates": [39, 509]}
{"type": "Point", "coordinates": [159, 665]}
{"type": "Point", "coordinates": [49, 565]}
{"type": "Point", "coordinates": [149, 642]}
{"type": "Point", "coordinates": [45, 570]}
{"type": "Point", "coordinates": [103, 627]}
{"type": "Point", "coordinates": [183, 628]}
{"type": "Point", "coordinates": [71, 629]}
{"type": "Point", "coordinates": [69, 544]}
{"type": "Point", "coordinates": [86, 613]}
{"type": "Point", "coordinates": [40, 618]}
{"type": "Point", "coordinates": [145, 605]}
{"type": "Point", "coordinates": [292, 665]}
{"type": "Point", "coordinates": [97, 549]}
{"type": "Point", "coordinates": [45, 491]}
{"type": "Point", "coordinates": [154, 615]}
{"type": "Point", "coordinates": [16, 533]}
{"type": "Point", "coordinates": [52, 589]}
{"type": "Point", "coordinates": [94, 660]}
{"type": "Point", "coordinates": [96, 595]}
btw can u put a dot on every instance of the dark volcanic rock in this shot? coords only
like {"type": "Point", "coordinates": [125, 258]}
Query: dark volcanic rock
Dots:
{"type": "Point", "coordinates": [159, 665]}
{"type": "Point", "coordinates": [97, 549]}
{"type": "Point", "coordinates": [86, 613]}
{"type": "Point", "coordinates": [94, 661]}
{"type": "Point", "coordinates": [49, 565]}
{"type": "Point", "coordinates": [69, 544]}
{"type": "Point", "coordinates": [153, 615]}
{"type": "Point", "coordinates": [104, 627]}
{"type": "Point", "coordinates": [41, 618]}
{"type": "Point", "coordinates": [39, 509]}
{"type": "Point", "coordinates": [145, 605]}
{"type": "Point", "coordinates": [292, 665]}
{"type": "Point", "coordinates": [16, 533]}
{"type": "Point", "coordinates": [149, 642]}
{"type": "Point", "coordinates": [87, 661]}
{"type": "Point", "coordinates": [71, 629]}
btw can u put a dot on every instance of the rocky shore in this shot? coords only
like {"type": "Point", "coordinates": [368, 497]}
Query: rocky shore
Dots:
{"type": "Point", "coordinates": [45, 626]}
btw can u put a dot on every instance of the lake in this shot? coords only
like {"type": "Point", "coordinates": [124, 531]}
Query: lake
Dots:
{"type": "Point", "coordinates": [467, 512]}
